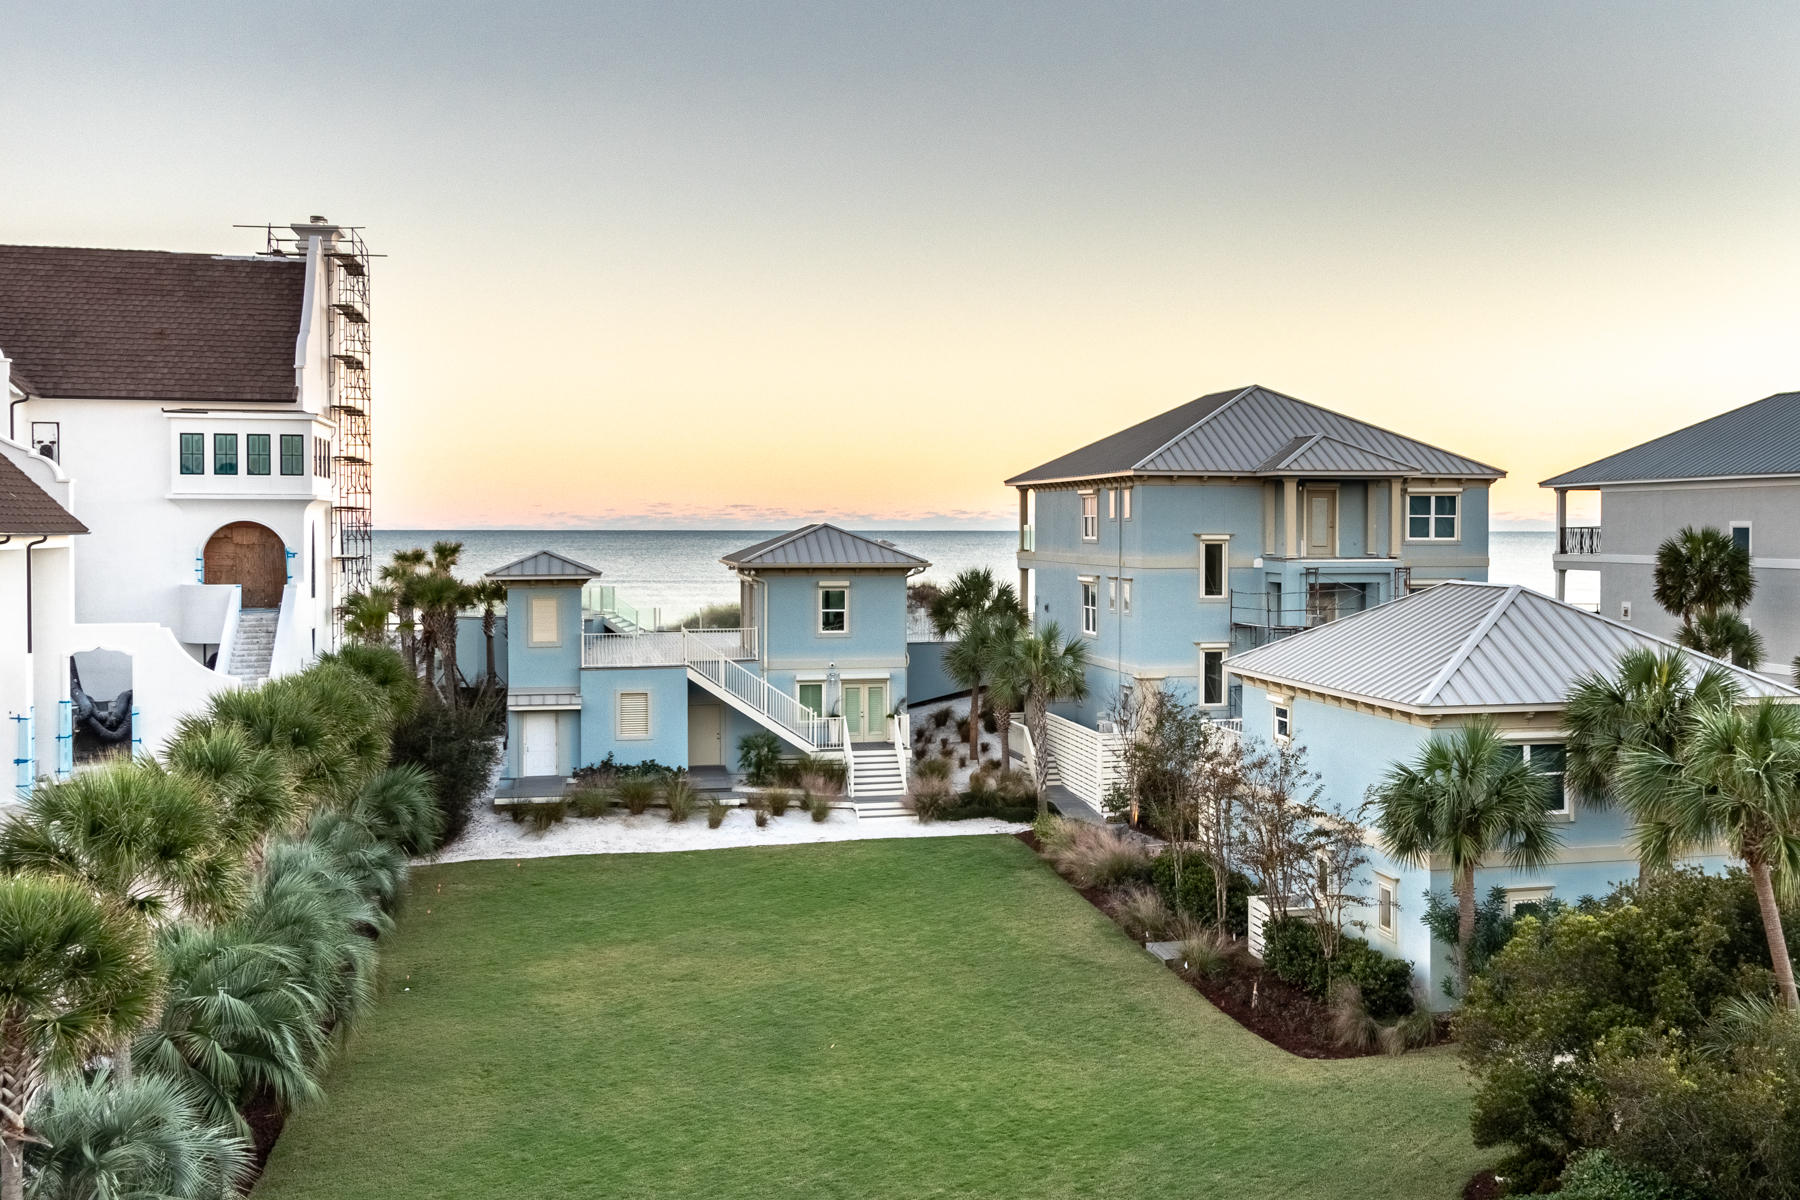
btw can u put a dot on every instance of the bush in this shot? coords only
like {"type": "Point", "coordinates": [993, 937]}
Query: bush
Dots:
{"type": "Point", "coordinates": [398, 806]}
{"type": "Point", "coordinates": [941, 717]}
{"type": "Point", "coordinates": [819, 805]}
{"type": "Point", "coordinates": [540, 814]}
{"type": "Point", "coordinates": [1196, 899]}
{"type": "Point", "coordinates": [1208, 951]}
{"type": "Point", "coordinates": [1098, 855]}
{"type": "Point", "coordinates": [680, 796]}
{"type": "Point", "coordinates": [457, 748]}
{"type": "Point", "coordinates": [1292, 952]}
{"type": "Point", "coordinates": [969, 807]}
{"type": "Point", "coordinates": [1143, 913]}
{"type": "Point", "coordinates": [928, 801]}
{"type": "Point", "coordinates": [637, 792]}
{"type": "Point", "coordinates": [780, 801]}
{"type": "Point", "coordinates": [762, 816]}
{"type": "Point", "coordinates": [590, 802]}
{"type": "Point", "coordinates": [1597, 1175]}
{"type": "Point", "coordinates": [1355, 1027]}
{"type": "Point", "coordinates": [759, 756]}
{"type": "Point", "coordinates": [715, 812]}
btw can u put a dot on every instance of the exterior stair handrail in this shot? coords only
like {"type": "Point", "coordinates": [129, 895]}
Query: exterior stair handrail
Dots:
{"type": "Point", "coordinates": [821, 733]}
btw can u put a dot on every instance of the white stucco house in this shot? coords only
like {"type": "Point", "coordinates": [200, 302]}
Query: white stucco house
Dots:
{"type": "Point", "coordinates": [203, 423]}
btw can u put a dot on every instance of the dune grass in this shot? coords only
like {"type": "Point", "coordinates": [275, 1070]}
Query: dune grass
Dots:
{"type": "Point", "coordinates": [929, 1017]}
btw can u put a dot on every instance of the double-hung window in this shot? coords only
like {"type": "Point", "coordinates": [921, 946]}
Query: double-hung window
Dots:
{"type": "Point", "coordinates": [1112, 504]}
{"type": "Point", "coordinates": [1549, 761]}
{"type": "Point", "coordinates": [1284, 721]}
{"type": "Point", "coordinates": [1212, 676]}
{"type": "Point", "coordinates": [1090, 606]}
{"type": "Point", "coordinates": [193, 454]}
{"type": "Point", "coordinates": [1125, 597]}
{"type": "Point", "coordinates": [1215, 576]}
{"type": "Point", "coordinates": [224, 454]}
{"type": "Point", "coordinates": [1433, 517]}
{"type": "Point", "coordinates": [1386, 891]}
{"type": "Point", "coordinates": [256, 454]}
{"type": "Point", "coordinates": [293, 454]}
{"type": "Point", "coordinates": [1125, 504]}
{"type": "Point", "coordinates": [1090, 517]}
{"type": "Point", "coordinates": [1112, 593]}
{"type": "Point", "coordinates": [834, 608]}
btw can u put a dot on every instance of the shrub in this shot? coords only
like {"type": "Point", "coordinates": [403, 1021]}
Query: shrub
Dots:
{"type": "Point", "coordinates": [1015, 787]}
{"type": "Point", "coordinates": [542, 814]}
{"type": "Point", "coordinates": [759, 757]}
{"type": "Point", "coordinates": [457, 748]}
{"type": "Point", "coordinates": [590, 801]}
{"type": "Point", "coordinates": [780, 801]}
{"type": "Point", "coordinates": [1351, 1025]}
{"type": "Point", "coordinates": [680, 796]}
{"type": "Point", "coordinates": [1047, 828]}
{"type": "Point", "coordinates": [715, 812]}
{"type": "Point", "coordinates": [1209, 951]}
{"type": "Point", "coordinates": [1291, 951]}
{"type": "Point", "coordinates": [1196, 898]}
{"type": "Point", "coordinates": [762, 816]}
{"type": "Point", "coordinates": [989, 721]}
{"type": "Point", "coordinates": [1099, 855]}
{"type": "Point", "coordinates": [932, 769]}
{"type": "Point", "coordinates": [928, 801]}
{"type": "Point", "coordinates": [981, 785]}
{"type": "Point", "coordinates": [140, 1137]}
{"type": "Point", "coordinates": [941, 717]}
{"type": "Point", "coordinates": [398, 806]}
{"type": "Point", "coordinates": [1143, 913]}
{"type": "Point", "coordinates": [819, 805]}
{"type": "Point", "coordinates": [383, 667]}
{"type": "Point", "coordinates": [637, 792]}
{"type": "Point", "coordinates": [1415, 1029]}
{"type": "Point", "coordinates": [1597, 1175]}
{"type": "Point", "coordinates": [969, 807]}
{"type": "Point", "coordinates": [962, 730]}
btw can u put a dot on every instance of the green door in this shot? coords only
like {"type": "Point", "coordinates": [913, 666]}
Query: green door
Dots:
{"type": "Point", "coordinates": [877, 713]}
{"type": "Point", "coordinates": [853, 711]}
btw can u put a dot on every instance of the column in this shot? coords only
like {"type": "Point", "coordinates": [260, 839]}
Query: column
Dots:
{"type": "Point", "coordinates": [1290, 515]}
{"type": "Point", "coordinates": [1562, 523]}
{"type": "Point", "coordinates": [1396, 518]}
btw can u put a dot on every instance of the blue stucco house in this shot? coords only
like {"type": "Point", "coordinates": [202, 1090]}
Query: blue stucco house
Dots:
{"type": "Point", "coordinates": [1235, 519]}
{"type": "Point", "coordinates": [1369, 690]}
{"type": "Point", "coordinates": [819, 659]}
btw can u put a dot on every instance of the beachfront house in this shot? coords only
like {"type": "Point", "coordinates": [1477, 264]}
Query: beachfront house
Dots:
{"type": "Point", "coordinates": [1234, 520]}
{"type": "Point", "coordinates": [818, 658]}
{"type": "Point", "coordinates": [1370, 690]}
{"type": "Point", "coordinates": [1738, 472]}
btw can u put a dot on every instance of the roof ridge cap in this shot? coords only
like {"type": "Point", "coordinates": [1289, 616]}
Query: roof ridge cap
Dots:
{"type": "Point", "coordinates": [1236, 396]}
{"type": "Point", "coordinates": [1382, 428]}
{"type": "Point", "coordinates": [1469, 643]}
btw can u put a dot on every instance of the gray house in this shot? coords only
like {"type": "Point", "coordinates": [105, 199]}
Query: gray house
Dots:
{"type": "Point", "coordinates": [1739, 472]}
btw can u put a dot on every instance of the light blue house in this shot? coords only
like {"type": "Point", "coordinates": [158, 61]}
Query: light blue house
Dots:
{"type": "Point", "coordinates": [1370, 690]}
{"type": "Point", "coordinates": [819, 659]}
{"type": "Point", "coordinates": [1233, 520]}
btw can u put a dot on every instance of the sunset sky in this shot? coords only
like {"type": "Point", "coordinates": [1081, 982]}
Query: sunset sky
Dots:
{"type": "Point", "coordinates": [681, 265]}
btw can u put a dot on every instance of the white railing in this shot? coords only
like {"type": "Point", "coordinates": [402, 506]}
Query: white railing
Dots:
{"type": "Point", "coordinates": [706, 660]}
{"type": "Point", "coordinates": [903, 737]}
{"type": "Point", "coordinates": [1228, 724]}
{"type": "Point", "coordinates": [849, 773]}
{"type": "Point", "coordinates": [667, 649]}
{"type": "Point", "coordinates": [1088, 762]}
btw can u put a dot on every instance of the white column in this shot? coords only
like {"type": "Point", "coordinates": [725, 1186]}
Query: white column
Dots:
{"type": "Point", "coordinates": [1396, 518]}
{"type": "Point", "coordinates": [1562, 522]}
{"type": "Point", "coordinates": [1290, 515]}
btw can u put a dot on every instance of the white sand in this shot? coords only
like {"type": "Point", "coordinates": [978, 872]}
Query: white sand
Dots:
{"type": "Point", "coordinates": [492, 835]}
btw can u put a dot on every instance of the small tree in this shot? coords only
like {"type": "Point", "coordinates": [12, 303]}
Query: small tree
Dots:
{"type": "Point", "coordinates": [1050, 668]}
{"type": "Point", "coordinates": [1274, 824]}
{"type": "Point", "coordinates": [1339, 851]}
{"type": "Point", "coordinates": [970, 609]}
{"type": "Point", "coordinates": [367, 615]}
{"type": "Point", "coordinates": [490, 595]}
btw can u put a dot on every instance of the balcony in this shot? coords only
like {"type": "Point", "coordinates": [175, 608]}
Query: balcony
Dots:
{"type": "Point", "coordinates": [669, 648]}
{"type": "Point", "coordinates": [1578, 539]}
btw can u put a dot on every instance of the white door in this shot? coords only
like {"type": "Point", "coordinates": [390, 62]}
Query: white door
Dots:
{"type": "Point", "coordinates": [706, 735]}
{"type": "Point", "coordinates": [537, 750]}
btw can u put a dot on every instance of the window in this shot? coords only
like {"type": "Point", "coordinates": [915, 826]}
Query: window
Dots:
{"type": "Point", "coordinates": [256, 454]}
{"type": "Point", "coordinates": [634, 716]}
{"type": "Point", "coordinates": [1125, 504]}
{"type": "Point", "coordinates": [1284, 721]}
{"type": "Point", "coordinates": [1212, 676]}
{"type": "Point", "coordinates": [1432, 517]}
{"type": "Point", "coordinates": [1523, 901]}
{"type": "Point", "coordinates": [293, 453]}
{"type": "Point", "coordinates": [46, 439]}
{"type": "Point", "coordinates": [1112, 504]}
{"type": "Point", "coordinates": [1386, 906]}
{"type": "Point", "coordinates": [544, 613]}
{"type": "Point", "coordinates": [193, 454]}
{"type": "Point", "coordinates": [1090, 517]}
{"type": "Point", "coordinates": [1090, 607]}
{"type": "Point", "coordinates": [812, 698]}
{"type": "Point", "coordinates": [1547, 759]}
{"type": "Point", "coordinates": [1125, 597]}
{"type": "Point", "coordinates": [224, 454]}
{"type": "Point", "coordinates": [1213, 576]}
{"type": "Point", "coordinates": [1112, 593]}
{"type": "Point", "coordinates": [834, 609]}
{"type": "Point", "coordinates": [1740, 535]}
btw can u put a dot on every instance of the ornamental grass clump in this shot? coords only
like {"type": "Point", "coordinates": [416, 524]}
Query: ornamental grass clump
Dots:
{"type": "Point", "coordinates": [819, 805]}
{"type": "Point", "coordinates": [1143, 914]}
{"type": "Point", "coordinates": [1208, 951]}
{"type": "Point", "coordinates": [680, 796]}
{"type": "Point", "coordinates": [780, 801]}
{"type": "Point", "coordinates": [715, 812]}
{"type": "Point", "coordinates": [1101, 856]}
{"type": "Point", "coordinates": [591, 802]}
{"type": "Point", "coordinates": [637, 792]}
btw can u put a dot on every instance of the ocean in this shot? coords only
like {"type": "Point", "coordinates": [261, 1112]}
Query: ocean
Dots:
{"type": "Point", "coordinates": [678, 570]}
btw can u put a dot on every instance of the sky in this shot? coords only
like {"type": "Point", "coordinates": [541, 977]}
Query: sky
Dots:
{"type": "Point", "coordinates": [690, 265]}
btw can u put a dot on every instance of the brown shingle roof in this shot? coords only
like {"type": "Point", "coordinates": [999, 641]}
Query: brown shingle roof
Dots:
{"type": "Point", "coordinates": [149, 324]}
{"type": "Point", "coordinates": [27, 508]}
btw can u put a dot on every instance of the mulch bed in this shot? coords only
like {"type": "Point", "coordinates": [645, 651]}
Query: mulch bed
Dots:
{"type": "Point", "coordinates": [1271, 1008]}
{"type": "Point", "coordinates": [1482, 1186]}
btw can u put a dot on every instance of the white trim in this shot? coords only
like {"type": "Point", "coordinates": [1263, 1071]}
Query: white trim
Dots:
{"type": "Point", "coordinates": [1305, 514]}
{"type": "Point", "coordinates": [1433, 517]}
{"type": "Point", "coordinates": [1223, 542]}
{"type": "Point", "coordinates": [1222, 649]}
{"type": "Point", "coordinates": [534, 637]}
{"type": "Point", "coordinates": [1283, 714]}
{"type": "Point", "coordinates": [1125, 502]}
{"type": "Point", "coordinates": [1391, 930]}
{"type": "Point", "coordinates": [1125, 595]}
{"type": "Point", "coordinates": [831, 585]}
{"type": "Point", "coordinates": [1084, 582]}
{"type": "Point", "coordinates": [1089, 522]}
{"type": "Point", "coordinates": [1529, 894]}
{"type": "Point", "coordinates": [1112, 593]}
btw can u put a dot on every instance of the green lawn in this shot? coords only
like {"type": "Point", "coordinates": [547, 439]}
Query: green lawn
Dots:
{"type": "Point", "coordinates": [922, 1017]}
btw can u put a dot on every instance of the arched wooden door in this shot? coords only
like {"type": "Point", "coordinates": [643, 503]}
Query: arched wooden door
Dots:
{"type": "Point", "coordinates": [251, 556]}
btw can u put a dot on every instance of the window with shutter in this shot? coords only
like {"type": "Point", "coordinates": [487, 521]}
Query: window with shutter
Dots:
{"type": "Point", "coordinates": [543, 621]}
{"type": "Point", "coordinates": [634, 716]}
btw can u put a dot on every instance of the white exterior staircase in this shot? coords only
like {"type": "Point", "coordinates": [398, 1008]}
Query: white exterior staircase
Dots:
{"type": "Point", "coordinates": [254, 644]}
{"type": "Point", "coordinates": [878, 782]}
{"type": "Point", "coordinates": [780, 712]}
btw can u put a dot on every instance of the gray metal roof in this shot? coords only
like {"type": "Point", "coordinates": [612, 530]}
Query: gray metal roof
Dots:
{"type": "Point", "coordinates": [1463, 646]}
{"type": "Point", "coordinates": [545, 564]}
{"type": "Point", "coordinates": [822, 545]}
{"type": "Point", "coordinates": [1241, 432]}
{"type": "Point", "coordinates": [1758, 439]}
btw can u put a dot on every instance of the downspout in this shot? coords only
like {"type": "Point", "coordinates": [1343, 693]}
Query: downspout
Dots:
{"type": "Point", "coordinates": [12, 417]}
{"type": "Point", "coordinates": [29, 547]}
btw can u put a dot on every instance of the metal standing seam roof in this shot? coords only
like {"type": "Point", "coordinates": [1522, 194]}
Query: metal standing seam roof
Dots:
{"type": "Point", "coordinates": [1762, 438]}
{"type": "Point", "coordinates": [822, 545]}
{"type": "Point", "coordinates": [1243, 432]}
{"type": "Point", "coordinates": [545, 564]}
{"type": "Point", "coordinates": [1463, 646]}
{"type": "Point", "coordinates": [26, 508]}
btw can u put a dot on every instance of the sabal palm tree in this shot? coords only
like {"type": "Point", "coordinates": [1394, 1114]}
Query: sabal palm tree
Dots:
{"type": "Point", "coordinates": [77, 977]}
{"type": "Point", "coordinates": [440, 598]}
{"type": "Point", "coordinates": [1004, 688]}
{"type": "Point", "coordinates": [1724, 635]}
{"type": "Point", "coordinates": [1704, 578]}
{"type": "Point", "coordinates": [250, 785]}
{"type": "Point", "coordinates": [109, 1139]}
{"type": "Point", "coordinates": [367, 615]}
{"type": "Point", "coordinates": [305, 903]}
{"type": "Point", "coordinates": [237, 1020]}
{"type": "Point", "coordinates": [402, 574]}
{"type": "Point", "coordinates": [1737, 781]}
{"type": "Point", "coordinates": [490, 596]}
{"type": "Point", "coordinates": [968, 609]}
{"type": "Point", "coordinates": [1465, 797]}
{"type": "Point", "coordinates": [1049, 668]}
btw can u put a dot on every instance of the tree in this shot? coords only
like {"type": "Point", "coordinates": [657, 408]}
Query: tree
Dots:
{"type": "Point", "coordinates": [1050, 668]}
{"type": "Point", "coordinates": [109, 1139]}
{"type": "Point", "coordinates": [402, 573]}
{"type": "Point", "coordinates": [1735, 778]}
{"type": "Point", "coordinates": [970, 608]}
{"type": "Point", "coordinates": [1465, 797]}
{"type": "Point", "coordinates": [1003, 686]}
{"type": "Point", "coordinates": [490, 595]}
{"type": "Point", "coordinates": [249, 785]}
{"type": "Point", "coordinates": [367, 615]}
{"type": "Point", "coordinates": [1704, 578]}
{"type": "Point", "coordinates": [440, 597]}
{"type": "Point", "coordinates": [77, 976]}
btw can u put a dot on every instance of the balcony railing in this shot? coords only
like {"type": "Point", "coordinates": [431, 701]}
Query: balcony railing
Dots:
{"type": "Point", "coordinates": [1578, 539]}
{"type": "Point", "coordinates": [666, 649]}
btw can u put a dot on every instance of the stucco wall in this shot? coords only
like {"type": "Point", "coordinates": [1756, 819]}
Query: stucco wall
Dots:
{"type": "Point", "coordinates": [668, 688]}
{"type": "Point", "coordinates": [557, 665]}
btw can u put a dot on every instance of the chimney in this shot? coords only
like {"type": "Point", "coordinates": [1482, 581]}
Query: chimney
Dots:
{"type": "Point", "coordinates": [318, 227]}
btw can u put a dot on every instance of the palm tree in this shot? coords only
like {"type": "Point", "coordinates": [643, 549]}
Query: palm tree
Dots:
{"type": "Point", "coordinates": [1003, 683]}
{"type": "Point", "coordinates": [376, 868]}
{"type": "Point", "coordinates": [77, 976]}
{"type": "Point", "coordinates": [1049, 668]}
{"type": "Point", "coordinates": [1736, 781]}
{"type": "Point", "coordinates": [402, 573]}
{"type": "Point", "coordinates": [398, 806]}
{"type": "Point", "coordinates": [490, 595]}
{"type": "Point", "coordinates": [1464, 798]}
{"type": "Point", "coordinates": [440, 598]}
{"type": "Point", "coordinates": [112, 1139]}
{"type": "Point", "coordinates": [368, 614]}
{"type": "Point", "coordinates": [968, 609]}
{"type": "Point", "coordinates": [237, 1020]}
{"type": "Point", "coordinates": [250, 785]}
{"type": "Point", "coordinates": [1704, 578]}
